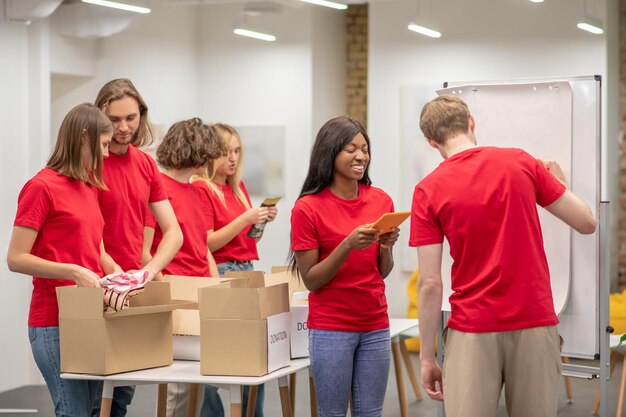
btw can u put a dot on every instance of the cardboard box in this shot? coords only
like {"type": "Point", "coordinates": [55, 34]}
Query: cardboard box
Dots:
{"type": "Point", "coordinates": [99, 343]}
{"type": "Point", "coordinates": [299, 307]}
{"type": "Point", "coordinates": [299, 344]}
{"type": "Point", "coordinates": [186, 322]}
{"type": "Point", "coordinates": [244, 329]}
{"type": "Point", "coordinates": [282, 274]}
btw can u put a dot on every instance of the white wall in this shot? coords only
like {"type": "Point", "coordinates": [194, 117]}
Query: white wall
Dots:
{"type": "Point", "coordinates": [482, 40]}
{"type": "Point", "coordinates": [247, 83]}
{"type": "Point", "coordinates": [24, 117]}
{"type": "Point", "coordinates": [158, 52]}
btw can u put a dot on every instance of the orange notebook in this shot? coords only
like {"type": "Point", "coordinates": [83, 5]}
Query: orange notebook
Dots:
{"type": "Point", "coordinates": [388, 221]}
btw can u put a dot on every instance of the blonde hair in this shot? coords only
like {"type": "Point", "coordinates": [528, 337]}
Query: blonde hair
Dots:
{"type": "Point", "coordinates": [118, 89]}
{"type": "Point", "coordinates": [226, 134]}
{"type": "Point", "coordinates": [84, 121]}
{"type": "Point", "coordinates": [444, 117]}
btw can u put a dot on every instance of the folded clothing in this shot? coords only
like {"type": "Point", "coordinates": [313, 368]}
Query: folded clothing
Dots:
{"type": "Point", "coordinates": [119, 287]}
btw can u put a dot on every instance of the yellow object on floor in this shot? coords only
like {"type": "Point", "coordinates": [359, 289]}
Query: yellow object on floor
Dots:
{"type": "Point", "coordinates": [617, 312]}
{"type": "Point", "coordinates": [412, 344]}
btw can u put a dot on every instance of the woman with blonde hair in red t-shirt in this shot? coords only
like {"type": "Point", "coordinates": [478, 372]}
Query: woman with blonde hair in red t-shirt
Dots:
{"type": "Point", "coordinates": [57, 239]}
{"type": "Point", "coordinates": [233, 250]}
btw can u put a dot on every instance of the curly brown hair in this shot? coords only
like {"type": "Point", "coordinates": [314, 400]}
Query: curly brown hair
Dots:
{"type": "Point", "coordinates": [190, 144]}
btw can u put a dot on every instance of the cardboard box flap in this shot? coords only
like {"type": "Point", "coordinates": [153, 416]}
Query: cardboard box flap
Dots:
{"type": "Point", "coordinates": [154, 293]}
{"type": "Point", "coordinates": [149, 309]}
{"type": "Point", "coordinates": [243, 303]}
{"type": "Point", "coordinates": [186, 288]}
{"type": "Point", "coordinates": [80, 302]}
{"type": "Point", "coordinates": [295, 282]}
{"type": "Point", "coordinates": [253, 279]}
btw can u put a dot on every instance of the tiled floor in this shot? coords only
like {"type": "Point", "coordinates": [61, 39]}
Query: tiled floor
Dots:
{"type": "Point", "coordinates": [36, 397]}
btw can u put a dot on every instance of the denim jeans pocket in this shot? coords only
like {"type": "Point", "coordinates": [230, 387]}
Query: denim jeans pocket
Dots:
{"type": "Point", "coordinates": [32, 334]}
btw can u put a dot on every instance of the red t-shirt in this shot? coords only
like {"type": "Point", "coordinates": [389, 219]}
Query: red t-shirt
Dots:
{"type": "Point", "coordinates": [241, 247]}
{"type": "Point", "coordinates": [191, 207]}
{"type": "Point", "coordinates": [133, 180]}
{"type": "Point", "coordinates": [69, 225]}
{"type": "Point", "coordinates": [354, 299]}
{"type": "Point", "coordinates": [484, 201]}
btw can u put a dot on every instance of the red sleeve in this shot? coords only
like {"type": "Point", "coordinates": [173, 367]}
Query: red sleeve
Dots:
{"type": "Point", "coordinates": [549, 189]}
{"type": "Point", "coordinates": [303, 230]}
{"type": "Point", "coordinates": [33, 205]}
{"type": "Point", "coordinates": [425, 229]}
{"type": "Point", "coordinates": [206, 196]}
{"type": "Point", "coordinates": [150, 221]}
{"type": "Point", "coordinates": [157, 189]}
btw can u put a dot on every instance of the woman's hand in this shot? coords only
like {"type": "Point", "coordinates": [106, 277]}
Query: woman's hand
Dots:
{"type": "Point", "coordinates": [362, 237]}
{"type": "Point", "coordinates": [272, 211]}
{"type": "Point", "coordinates": [389, 239]}
{"type": "Point", "coordinates": [256, 215]}
{"type": "Point", "coordinates": [83, 277]}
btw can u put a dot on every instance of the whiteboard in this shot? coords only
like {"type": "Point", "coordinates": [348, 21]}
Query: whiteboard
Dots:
{"type": "Point", "coordinates": [555, 119]}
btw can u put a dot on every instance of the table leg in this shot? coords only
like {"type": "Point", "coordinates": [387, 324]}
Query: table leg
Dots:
{"type": "Point", "coordinates": [252, 394]}
{"type": "Point", "coordinates": [285, 402]}
{"type": "Point", "coordinates": [192, 401]}
{"type": "Point", "coordinates": [292, 392]}
{"type": "Point", "coordinates": [235, 400]}
{"type": "Point", "coordinates": [161, 400]}
{"type": "Point", "coordinates": [107, 399]}
{"type": "Point", "coordinates": [622, 385]}
{"type": "Point", "coordinates": [409, 369]}
{"type": "Point", "coordinates": [312, 396]}
{"type": "Point", "coordinates": [395, 349]}
{"type": "Point", "coordinates": [596, 403]}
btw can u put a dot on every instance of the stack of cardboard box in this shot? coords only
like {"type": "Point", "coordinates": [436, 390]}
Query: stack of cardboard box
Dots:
{"type": "Point", "coordinates": [239, 325]}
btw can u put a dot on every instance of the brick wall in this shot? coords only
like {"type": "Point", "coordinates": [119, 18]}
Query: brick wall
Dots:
{"type": "Point", "coordinates": [356, 65]}
{"type": "Point", "coordinates": [622, 150]}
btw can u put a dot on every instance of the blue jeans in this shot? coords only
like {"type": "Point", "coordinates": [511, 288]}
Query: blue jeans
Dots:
{"type": "Point", "coordinates": [212, 405]}
{"type": "Point", "coordinates": [344, 363]}
{"type": "Point", "coordinates": [237, 266]}
{"type": "Point", "coordinates": [122, 397]}
{"type": "Point", "coordinates": [72, 398]}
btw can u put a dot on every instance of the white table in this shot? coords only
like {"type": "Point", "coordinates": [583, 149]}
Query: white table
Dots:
{"type": "Point", "coordinates": [398, 328]}
{"type": "Point", "coordinates": [189, 372]}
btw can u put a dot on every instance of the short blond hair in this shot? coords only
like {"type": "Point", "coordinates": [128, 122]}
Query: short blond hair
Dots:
{"type": "Point", "coordinates": [444, 117]}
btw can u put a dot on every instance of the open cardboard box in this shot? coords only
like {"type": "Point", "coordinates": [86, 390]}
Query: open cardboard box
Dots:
{"type": "Point", "coordinates": [104, 343]}
{"type": "Point", "coordinates": [244, 328]}
{"type": "Point", "coordinates": [186, 322]}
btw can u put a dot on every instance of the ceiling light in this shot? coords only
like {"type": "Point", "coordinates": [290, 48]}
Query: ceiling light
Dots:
{"type": "Point", "coordinates": [255, 35]}
{"type": "Point", "coordinates": [325, 3]}
{"type": "Point", "coordinates": [116, 5]}
{"type": "Point", "coordinates": [591, 25]}
{"type": "Point", "coordinates": [424, 30]}
{"type": "Point", "coordinates": [537, 1]}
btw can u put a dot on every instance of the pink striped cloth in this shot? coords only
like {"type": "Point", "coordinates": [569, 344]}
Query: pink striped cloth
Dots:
{"type": "Point", "coordinates": [118, 288]}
